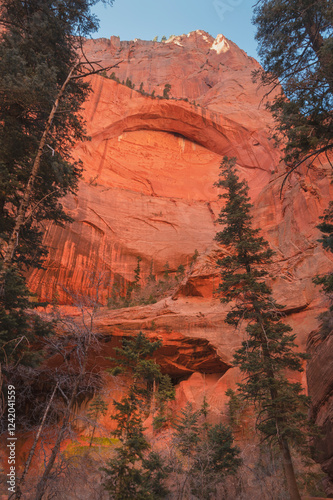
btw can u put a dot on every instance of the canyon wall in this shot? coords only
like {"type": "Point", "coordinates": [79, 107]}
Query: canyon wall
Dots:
{"type": "Point", "coordinates": [148, 191]}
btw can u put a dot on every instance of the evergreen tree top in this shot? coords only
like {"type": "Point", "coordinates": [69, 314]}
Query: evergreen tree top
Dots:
{"type": "Point", "coordinates": [236, 217]}
{"type": "Point", "coordinates": [244, 270]}
{"type": "Point", "coordinates": [135, 350]}
{"type": "Point", "coordinates": [295, 48]}
{"type": "Point", "coordinates": [269, 348]}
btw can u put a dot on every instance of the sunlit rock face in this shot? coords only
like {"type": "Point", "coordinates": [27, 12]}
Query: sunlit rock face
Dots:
{"type": "Point", "coordinates": [151, 164]}
{"type": "Point", "coordinates": [148, 191]}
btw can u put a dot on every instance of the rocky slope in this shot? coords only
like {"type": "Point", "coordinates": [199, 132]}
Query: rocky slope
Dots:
{"type": "Point", "coordinates": [148, 192]}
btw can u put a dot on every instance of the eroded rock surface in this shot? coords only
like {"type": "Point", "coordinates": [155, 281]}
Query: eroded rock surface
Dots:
{"type": "Point", "coordinates": [148, 191]}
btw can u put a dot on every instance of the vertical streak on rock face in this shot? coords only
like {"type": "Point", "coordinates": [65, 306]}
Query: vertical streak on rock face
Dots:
{"type": "Point", "coordinates": [151, 164]}
{"type": "Point", "coordinates": [149, 173]}
{"type": "Point", "coordinates": [95, 98]}
{"type": "Point", "coordinates": [148, 191]}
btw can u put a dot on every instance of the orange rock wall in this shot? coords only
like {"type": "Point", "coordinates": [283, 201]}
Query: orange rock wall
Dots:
{"type": "Point", "coordinates": [148, 187]}
{"type": "Point", "coordinates": [148, 191]}
{"type": "Point", "coordinates": [149, 173]}
{"type": "Point", "coordinates": [151, 164]}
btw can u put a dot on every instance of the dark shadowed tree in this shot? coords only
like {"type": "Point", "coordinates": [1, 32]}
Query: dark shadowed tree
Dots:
{"type": "Point", "coordinates": [326, 281]}
{"type": "Point", "coordinates": [135, 471]}
{"type": "Point", "coordinates": [40, 52]}
{"type": "Point", "coordinates": [296, 49]}
{"type": "Point", "coordinates": [97, 409]}
{"type": "Point", "coordinates": [205, 453]}
{"type": "Point", "coordinates": [41, 92]}
{"type": "Point", "coordinates": [269, 349]}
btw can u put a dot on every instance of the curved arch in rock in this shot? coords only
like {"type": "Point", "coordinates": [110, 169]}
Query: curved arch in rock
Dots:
{"type": "Point", "coordinates": [210, 130]}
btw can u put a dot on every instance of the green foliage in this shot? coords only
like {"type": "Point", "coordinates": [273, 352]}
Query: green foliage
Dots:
{"type": "Point", "coordinates": [129, 83]}
{"type": "Point", "coordinates": [204, 407]}
{"type": "Point", "coordinates": [326, 227]}
{"type": "Point", "coordinates": [20, 331]}
{"type": "Point", "coordinates": [133, 357]}
{"type": "Point", "coordinates": [151, 276]}
{"type": "Point", "coordinates": [133, 473]}
{"type": "Point", "coordinates": [187, 430]}
{"type": "Point", "coordinates": [114, 77]}
{"type": "Point", "coordinates": [236, 406]}
{"type": "Point", "coordinates": [155, 39]}
{"type": "Point", "coordinates": [243, 270]}
{"type": "Point", "coordinates": [134, 350]}
{"type": "Point", "coordinates": [269, 349]}
{"type": "Point", "coordinates": [207, 453]}
{"type": "Point", "coordinates": [164, 38]}
{"type": "Point", "coordinates": [166, 90]}
{"type": "Point", "coordinates": [157, 473]}
{"type": "Point", "coordinates": [326, 281]}
{"type": "Point", "coordinates": [145, 291]}
{"type": "Point", "coordinates": [296, 48]}
{"type": "Point", "coordinates": [38, 49]}
{"type": "Point", "coordinates": [97, 409]}
{"type": "Point", "coordinates": [102, 441]}
{"type": "Point", "coordinates": [180, 273]}
{"type": "Point", "coordinates": [326, 322]}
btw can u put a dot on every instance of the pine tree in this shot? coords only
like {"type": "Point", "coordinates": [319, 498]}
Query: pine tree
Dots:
{"type": "Point", "coordinates": [207, 452]}
{"type": "Point", "coordinates": [326, 281]}
{"type": "Point", "coordinates": [38, 51]}
{"type": "Point", "coordinates": [97, 409]}
{"type": "Point", "coordinates": [19, 331]}
{"type": "Point", "coordinates": [133, 472]}
{"type": "Point", "coordinates": [269, 349]}
{"type": "Point", "coordinates": [166, 90]}
{"type": "Point", "coordinates": [40, 96]}
{"type": "Point", "coordinates": [326, 227]}
{"type": "Point", "coordinates": [295, 47]}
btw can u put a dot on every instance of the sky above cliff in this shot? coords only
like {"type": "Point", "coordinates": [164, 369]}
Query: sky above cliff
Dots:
{"type": "Point", "coordinates": [145, 19]}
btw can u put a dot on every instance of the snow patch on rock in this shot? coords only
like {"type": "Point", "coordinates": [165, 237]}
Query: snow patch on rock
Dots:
{"type": "Point", "coordinates": [220, 44]}
{"type": "Point", "coordinates": [176, 40]}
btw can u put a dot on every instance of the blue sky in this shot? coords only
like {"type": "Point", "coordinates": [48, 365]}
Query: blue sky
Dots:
{"type": "Point", "coordinates": [145, 19]}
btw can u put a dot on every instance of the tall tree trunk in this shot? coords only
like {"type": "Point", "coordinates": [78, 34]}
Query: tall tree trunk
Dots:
{"type": "Point", "coordinates": [289, 471]}
{"type": "Point", "coordinates": [21, 214]}
{"type": "Point", "coordinates": [287, 462]}
{"type": "Point", "coordinates": [92, 436]}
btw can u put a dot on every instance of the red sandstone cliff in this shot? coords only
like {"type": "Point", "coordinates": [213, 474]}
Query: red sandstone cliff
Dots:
{"type": "Point", "coordinates": [149, 171]}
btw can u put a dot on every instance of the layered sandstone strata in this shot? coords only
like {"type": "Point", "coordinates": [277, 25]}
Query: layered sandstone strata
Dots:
{"type": "Point", "coordinates": [148, 191]}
